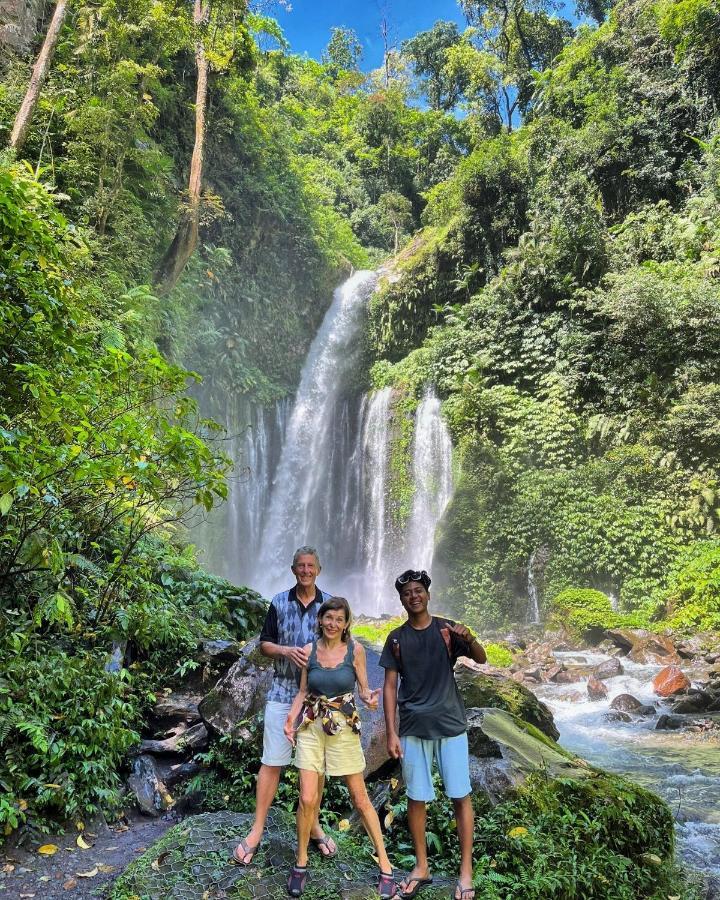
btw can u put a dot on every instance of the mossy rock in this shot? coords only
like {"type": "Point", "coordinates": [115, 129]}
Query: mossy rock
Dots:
{"type": "Point", "coordinates": [194, 860]}
{"type": "Point", "coordinates": [488, 690]}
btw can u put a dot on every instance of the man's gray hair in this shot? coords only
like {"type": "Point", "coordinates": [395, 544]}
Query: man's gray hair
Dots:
{"type": "Point", "coordinates": [305, 551]}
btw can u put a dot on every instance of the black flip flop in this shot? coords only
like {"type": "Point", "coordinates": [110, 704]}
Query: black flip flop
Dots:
{"type": "Point", "coordinates": [419, 884]}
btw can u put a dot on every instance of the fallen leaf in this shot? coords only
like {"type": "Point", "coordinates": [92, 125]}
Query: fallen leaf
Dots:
{"type": "Point", "coordinates": [80, 826]}
{"type": "Point", "coordinates": [22, 805]}
{"type": "Point", "coordinates": [44, 878]}
{"type": "Point", "coordinates": [493, 863]}
{"type": "Point", "coordinates": [107, 849]}
{"type": "Point", "coordinates": [48, 849]}
{"type": "Point", "coordinates": [56, 786]}
{"type": "Point", "coordinates": [393, 783]}
{"type": "Point", "coordinates": [82, 843]}
{"type": "Point", "coordinates": [26, 896]}
{"type": "Point", "coordinates": [389, 819]}
{"type": "Point", "coordinates": [105, 868]}
{"type": "Point", "coordinates": [91, 874]}
{"type": "Point", "coordinates": [70, 884]}
{"type": "Point", "coordinates": [155, 864]}
{"type": "Point", "coordinates": [140, 849]}
{"type": "Point", "coordinates": [343, 825]}
{"type": "Point", "coordinates": [8, 868]}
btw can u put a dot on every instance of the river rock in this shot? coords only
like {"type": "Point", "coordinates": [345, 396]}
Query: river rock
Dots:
{"type": "Point", "coordinates": [148, 788]}
{"type": "Point", "coordinates": [240, 694]}
{"type": "Point", "coordinates": [625, 703]}
{"type": "Point", "coordinates": [172, 773]}
{"type": "Point", "coordinates": [596, 689]}
{"type": "Point", "coordinates": [489, 689]}
{"type": "Point", "coordinates": [616, 715]}
{"type": "Point", "coordinates": [669, 681]}
{"type": "Point", "coordinates": [668, 723]}
{"type": "Point", "coordinates": [568, 676]}
{"type": "Point", "coordinates": [641, 646]}
{"type": "Point", "coordinates": [694, 702]}
{"type": "Point", "coordinates": [610, 668]}
{"type": "Point", "coordinates": [624, 638]}
{"type": "Point", "coordinates": [184, 740]}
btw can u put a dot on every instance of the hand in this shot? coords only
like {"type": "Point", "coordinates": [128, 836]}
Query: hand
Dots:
{"type": "Point", "coordinates": [394, 747]}
{"type": "Point", "coordinates": [463, 632]}
{"type": "Point", "coordinates": [290, 731]}
{"type": "Point", "coordinates": [370, 698]}
{"type": "Point", "coordinates": [298, 656]}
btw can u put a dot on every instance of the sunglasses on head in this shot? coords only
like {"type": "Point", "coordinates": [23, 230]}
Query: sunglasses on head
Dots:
{"type": "Point", "coordinates": [412, 576]}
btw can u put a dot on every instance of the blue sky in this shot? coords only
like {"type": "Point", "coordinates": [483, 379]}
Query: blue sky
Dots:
{"type": "Point", "coordinates": [307, 26]}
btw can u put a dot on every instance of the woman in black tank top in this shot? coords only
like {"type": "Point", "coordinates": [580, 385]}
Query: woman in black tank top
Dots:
{"type": "Point", "coordinates": [324, 726]}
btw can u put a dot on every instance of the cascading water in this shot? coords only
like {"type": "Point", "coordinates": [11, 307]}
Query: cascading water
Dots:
{"type": "Point", "coordinates": [320, 474]}
{"type": "Point", "coordinates": [532, 591]}
{"type": "Point", "coordinates": [230, 539]}
{"type": "Point", "coordinates": [433, 477]}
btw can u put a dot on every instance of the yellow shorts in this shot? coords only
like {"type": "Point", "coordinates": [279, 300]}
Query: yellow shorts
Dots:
{"type": "Point", "coordinates": [329, 754]}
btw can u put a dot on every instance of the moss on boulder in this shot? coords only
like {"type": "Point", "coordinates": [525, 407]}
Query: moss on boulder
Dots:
{"type": "Point", "coordinates": [490, 690]}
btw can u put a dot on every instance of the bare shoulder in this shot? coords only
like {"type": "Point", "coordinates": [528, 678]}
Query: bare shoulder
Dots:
{"type": "Point", "coordinates": [358, 650]}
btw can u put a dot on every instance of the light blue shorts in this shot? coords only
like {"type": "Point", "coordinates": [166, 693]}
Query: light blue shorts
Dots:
{"type": "Point", "coordinates": [451, 754]}
{"type": "Point", "coordinates": [277, 749]}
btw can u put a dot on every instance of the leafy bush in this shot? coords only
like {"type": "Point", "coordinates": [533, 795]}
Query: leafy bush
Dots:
{"type": "Point", "coordinates": [583, 609]}
{"type": "Point", "coordinates": [693, 594]}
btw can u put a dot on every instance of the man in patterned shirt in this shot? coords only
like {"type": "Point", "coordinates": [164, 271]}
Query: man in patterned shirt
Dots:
{"type": "Point", "coordinates": [289, 626]}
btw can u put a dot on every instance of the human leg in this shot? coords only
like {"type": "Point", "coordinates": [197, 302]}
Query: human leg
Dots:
{"type": "Point", "coordinates": [417, 762]}
{"type": "Point", "coordinates": [266, 787]}
{"type": "Point", "coordinates": [369, 816]}
{"type": "Point", "coordinates": [277, 752]}
{"type": "Point", "coordinates": [306, 812]}
{"type": "Point", "coordinates": [453, 762]}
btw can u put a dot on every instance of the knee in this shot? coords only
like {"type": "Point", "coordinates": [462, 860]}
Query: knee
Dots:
{"type": "Point", "coordinates": [360, 800]}
{"type": "Point", "coordinates": [308, 798]}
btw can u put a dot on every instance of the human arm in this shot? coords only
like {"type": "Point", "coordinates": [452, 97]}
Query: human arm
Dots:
{"type": "Point", "coordinates": [270, 646]}
{"type": "Point", "coordinates": [476, 651]}
{"type": "Point", "coordinates": [289, 728]}
{"type": "Point", "coordinates": [390, 706]}
{"type": "Point", "coordinates": [368, 697]}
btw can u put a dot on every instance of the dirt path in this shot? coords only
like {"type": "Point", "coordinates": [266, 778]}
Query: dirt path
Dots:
{"type": "Point", "coordinates": [25, 874]}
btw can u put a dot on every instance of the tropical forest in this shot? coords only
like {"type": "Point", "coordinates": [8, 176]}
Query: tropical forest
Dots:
{"type": "Point", "coordinates": [432, 287]}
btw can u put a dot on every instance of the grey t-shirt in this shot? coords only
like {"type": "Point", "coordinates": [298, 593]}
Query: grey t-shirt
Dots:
{"type": "Point", "coordinates": [428, 697]}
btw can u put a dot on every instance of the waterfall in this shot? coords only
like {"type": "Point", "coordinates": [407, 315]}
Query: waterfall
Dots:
{"type": "Point", "coordinates": [302, 505]}
{"type": "Point", "coordinates": [433, 478]}
{"type": "Point", "coordinates": [319, 473]}
{"type": "Point", "coordinates": [533, 601]}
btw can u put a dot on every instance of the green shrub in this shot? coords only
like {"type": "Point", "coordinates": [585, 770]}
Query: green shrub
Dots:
{"type": "Point", "coordinates": [583, 609]}
{"type": "Point", "coordinates": [693, 594]}
{"type": "Point", "coordinates": [498, 655]}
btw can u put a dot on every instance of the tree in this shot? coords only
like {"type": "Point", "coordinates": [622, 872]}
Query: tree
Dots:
{"type": "Point", "coordinates": [428, 53]}
{"type": "Point", "coordinates": [37, 79]}
{"type": "Point", "coordinates": [344, 50]}
{"type": "Point", "coordinates": [396, 211]}
{"type": "Point", "coordinates": [509, 41]}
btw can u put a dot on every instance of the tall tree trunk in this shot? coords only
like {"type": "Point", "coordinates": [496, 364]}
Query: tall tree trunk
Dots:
{"type": "Point", "coordinates": [37, 79]}
{"type": "Point", "coordinates": [186, 237]}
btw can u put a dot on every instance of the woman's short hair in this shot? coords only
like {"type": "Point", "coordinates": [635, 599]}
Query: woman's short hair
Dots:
{"type": "Point", "coordinates": [337, 603]}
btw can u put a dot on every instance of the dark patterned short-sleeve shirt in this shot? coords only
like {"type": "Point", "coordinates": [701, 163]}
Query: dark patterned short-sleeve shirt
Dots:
{"type": "Point", "coordinates": [290, 624]}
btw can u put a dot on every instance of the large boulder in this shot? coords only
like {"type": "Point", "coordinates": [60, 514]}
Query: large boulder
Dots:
{"type": "Point", "coordinates": [488, 689]}
{"type": "Point", "coordinates": [504, 750]}
{"type": "Point", "coordinates": [644, 647]}
{"type": "Point", "coordinates": [182, 740]}
{"type": "Point", "coordinates": [610, 668]}
{"type": "Point", "coordinates": [240, 694]}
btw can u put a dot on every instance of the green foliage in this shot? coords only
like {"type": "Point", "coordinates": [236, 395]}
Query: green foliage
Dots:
{"type": "Point", "coordinates": [594, 837]}
{"type": "Point", "coordinates": [498, 655]}
{"type": "Point", "coordinates": [583, 609]}
{"type": "Point", "coordinates": [102, 461]}
{"type": "Point", "coordinates": [693, 592]}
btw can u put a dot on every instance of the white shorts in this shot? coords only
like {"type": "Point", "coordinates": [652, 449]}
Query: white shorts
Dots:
{"type": "Point", "coordinates": [277, 749]}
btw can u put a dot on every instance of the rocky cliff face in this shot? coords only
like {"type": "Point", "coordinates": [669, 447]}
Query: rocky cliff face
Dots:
{"type": "Point", "coordinates": [18, 23]}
